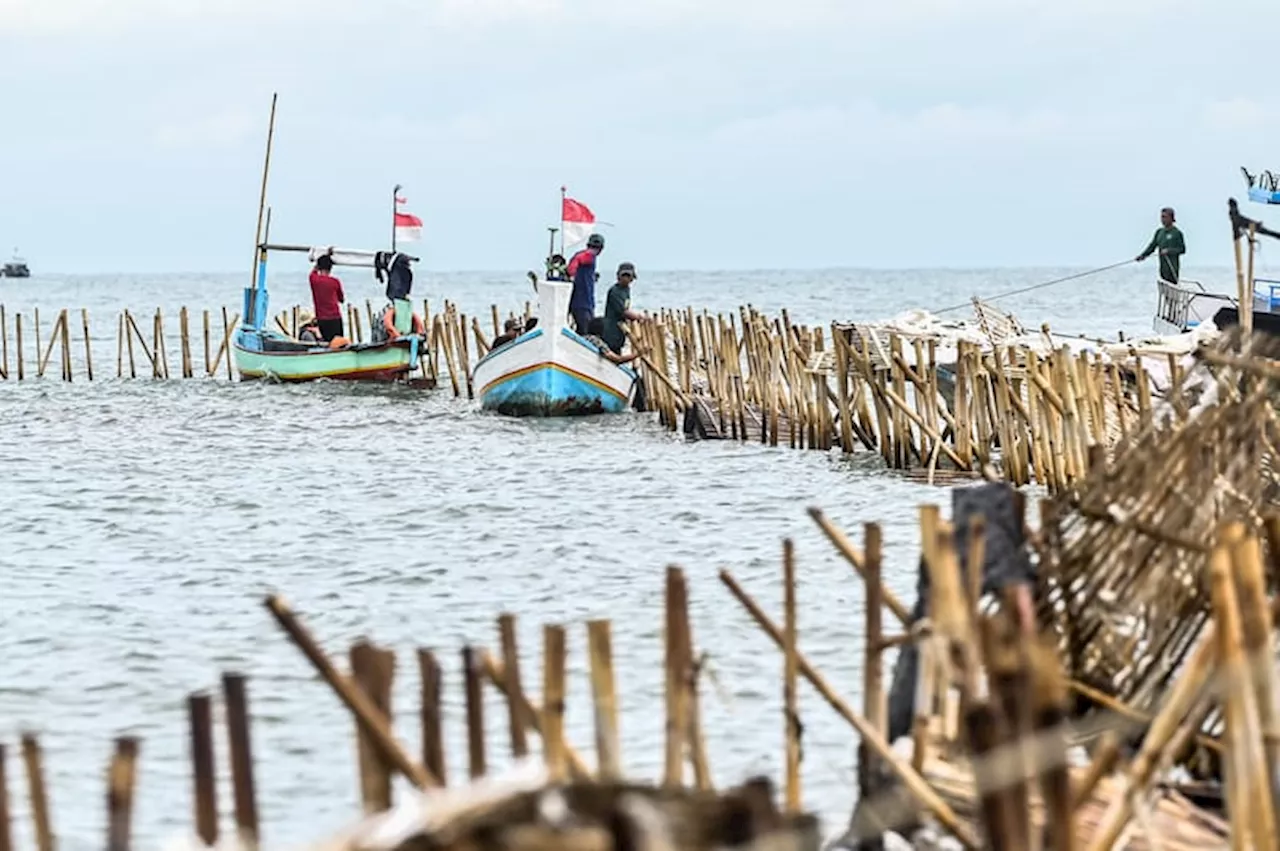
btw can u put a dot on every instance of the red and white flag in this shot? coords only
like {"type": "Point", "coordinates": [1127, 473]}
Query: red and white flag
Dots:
{"type": "Point", "coordinates": [408, 226]}
{"type": "Point", "coordinates": [576, 221]}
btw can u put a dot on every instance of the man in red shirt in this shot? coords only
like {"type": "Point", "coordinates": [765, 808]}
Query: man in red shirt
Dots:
{"type": "Point", "coordinates": [326, 292]}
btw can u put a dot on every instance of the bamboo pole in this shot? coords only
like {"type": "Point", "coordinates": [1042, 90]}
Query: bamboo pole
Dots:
{"type": "Point", "coordinates": [511, 664]}
{"type": "Point", "coordinates": [532, 716]}
{"type": "Point", "coordinates": [473, 689]}
{"type": "Point", "coordinates": [6, 831]}
{"type": "Point", "coordinates": [791, 733]}
{"type": "Point", "coordinates": [874, 706]}
{"type": "Point", "coordinates": [355, 699]}
{"type": "Point", "coordinates": [604, 698]}
{"type": "Point", "coordinates": [184, 335]}
{"type": "Point", "coordinates": [915, 784]}
{"type": "Point", "coordinates": [121, 776]}
{"type": "Point", "coordinates": [553, 638]}
{"type": "Point", "coordinates": [373, 671]}
{"type": "Point", "coordinates": [4, 353]}
{"type": "Point", "coordinates": [676, 670]}
{"type": "Point", "coordinates": [88, 349]}
{"type": "Point", "coordinates": [200, 717]}
{"type": "Point", "coordinates": [33, 758]}
{"type": "Point", "coordinates": [432, 734]}
{"type": "Point", "coordinates": [240, 749]}
{"type": "Point", "coordinates": [18, 339]}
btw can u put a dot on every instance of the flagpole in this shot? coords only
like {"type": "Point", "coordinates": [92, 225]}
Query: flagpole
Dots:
{"type": "Point", "coordinates": [563, 190]}
{"type": "Point", "coordinates": [395, 193]}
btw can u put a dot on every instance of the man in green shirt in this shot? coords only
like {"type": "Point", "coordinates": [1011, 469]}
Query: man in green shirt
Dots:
{"type": "Point", "coordinates": [1168, 241]}
{"type": "Point", "coordinates": [617, 308]}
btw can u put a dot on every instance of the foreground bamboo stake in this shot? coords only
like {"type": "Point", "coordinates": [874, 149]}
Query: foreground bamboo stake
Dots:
{"type": "Point", "coordinates": [917, 785]}
{"type": "Point", "coordinates": [355, 699]}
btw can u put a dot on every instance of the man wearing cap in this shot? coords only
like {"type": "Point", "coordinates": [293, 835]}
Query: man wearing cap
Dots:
{"type": "Point", "coordinates": [617, 308]}
{"type": "Point", "coordinates": [1168, 240]}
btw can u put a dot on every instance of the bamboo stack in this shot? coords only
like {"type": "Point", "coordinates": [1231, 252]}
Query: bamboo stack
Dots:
{"type": "Point", "coordinates": [997, 410]}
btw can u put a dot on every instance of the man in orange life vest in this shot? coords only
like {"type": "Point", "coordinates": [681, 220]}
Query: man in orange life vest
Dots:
{"type": "Point", "coordinates": [582, 271]}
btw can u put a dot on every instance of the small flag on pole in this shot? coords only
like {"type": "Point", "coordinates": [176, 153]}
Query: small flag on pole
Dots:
{"type": "Point", "coordinates": [576, 221]}
{"type": "Point", "coordinates": [408, 226]}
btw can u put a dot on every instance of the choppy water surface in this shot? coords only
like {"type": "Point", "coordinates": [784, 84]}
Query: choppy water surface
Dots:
{"type": "Point", "coordinates": [141, 524]}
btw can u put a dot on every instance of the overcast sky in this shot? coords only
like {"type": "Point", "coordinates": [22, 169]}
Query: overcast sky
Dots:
{"type": "Point", "coordinates": [711, 133]}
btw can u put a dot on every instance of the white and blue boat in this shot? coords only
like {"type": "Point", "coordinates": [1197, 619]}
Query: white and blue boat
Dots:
{"type": "Point", "coordinates": [551, 370]}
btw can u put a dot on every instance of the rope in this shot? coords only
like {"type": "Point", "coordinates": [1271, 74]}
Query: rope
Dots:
{"type": "Point", "coordinates": [1039, 286]}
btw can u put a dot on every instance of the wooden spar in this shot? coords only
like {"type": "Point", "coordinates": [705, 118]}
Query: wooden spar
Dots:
{"type": "Point", "coordinates": [259, 254]}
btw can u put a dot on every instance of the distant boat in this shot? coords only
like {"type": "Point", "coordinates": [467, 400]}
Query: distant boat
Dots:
{"type": "Point", "coordinates": [15, 268]}
{"type": "Point", "coordinates": [552, 371]}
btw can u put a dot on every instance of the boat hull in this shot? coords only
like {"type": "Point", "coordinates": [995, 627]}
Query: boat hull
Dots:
{"type": "Point", "coordinates": [387, 362]}
{"type": "Point", "coordinates": [552, 373]}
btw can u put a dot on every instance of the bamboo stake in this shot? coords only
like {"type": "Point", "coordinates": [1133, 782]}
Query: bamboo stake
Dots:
{"type": "Point", "coordinates": [608, 751]}
{"type": "Point", "coordinates": [64, 325]}
{"type": "Point", "coordinates": [88, 350]}
{"type": "Point", "coordinates": [372, 671]}
{"type": "Point", "coordinates": [874, 706]}
{"type": "Point", "coordinates": [355, 699]}
{"type": "Point", "coordinates": [208, 367]}
{"type": "Point", "coordinates": [676, 671]}
{"type": "Point", "coordinates": [1255, 620]}
{"type": "Point", "coordinates": [32, 757]}
{"type": "Point", "coordinates": [240, 749]}
{"type": "Point", "coordinates": [36, 332]}
{"type": "Point", "coordinates": [1248, 783]}
{"type": "Point", "coordinates": [476, 763]}
{"type": "Point", "coordinates": [791, 734]}
{"type": "Point", "coordinates": [4, 355]}
{"type": "Point", "coordinates": [6, 832]}
{"type": "Point", "coordinates": [511, 664]}
{"type": "Point", "coordinates": [915, 784]}
{"type": "Point", "coordinates": [553, 638]}
{"type": "Point", "coordinates": [184, 334]}
{"type": "Point", "coordinates": [858, 562]}
{"type": "Point", "coordinates": [54, 336]}
{"type": "Point", "coordinates": [533, 716]}
{"type": "Point", "coordinates": [432, 734]}
{"type": "Point", "coordinates": [200, 717]}
{"type": "Point", "coordinates": [120, 782]}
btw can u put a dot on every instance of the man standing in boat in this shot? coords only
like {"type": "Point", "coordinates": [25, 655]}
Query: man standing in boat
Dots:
{"type": "Point", "coordinates": [617, 308]}
{"type": "Point", "coordinates": [326, 292]}
{"type": "Point", "coordinates": [582, 271]}
{"type": "Point", "coordinates": [1169, 242]}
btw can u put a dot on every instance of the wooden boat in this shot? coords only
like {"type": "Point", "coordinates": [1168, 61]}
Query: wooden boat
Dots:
{"type": "Point", "coordinates": [551, 370]}
{"type": "Point", "coordinates": [265, 352]}
{"type": "Point", "coordinates": [15, 268]}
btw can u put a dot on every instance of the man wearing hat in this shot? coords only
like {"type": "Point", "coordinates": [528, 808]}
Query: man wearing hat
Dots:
{"type": "Point", "coordinates": [1168, 240]}
{"type": "Point", "coordinates": [617, 308]}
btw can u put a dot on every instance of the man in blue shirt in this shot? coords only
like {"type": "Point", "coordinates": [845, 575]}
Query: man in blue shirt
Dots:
{"type": "Point", "coordinates": [582, 271]}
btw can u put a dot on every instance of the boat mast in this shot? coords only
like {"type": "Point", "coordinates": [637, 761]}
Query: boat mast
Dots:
{"type": "Point", "coordinates": [259, 252]}
{"type": "Point", "coordinates": [395, 194]}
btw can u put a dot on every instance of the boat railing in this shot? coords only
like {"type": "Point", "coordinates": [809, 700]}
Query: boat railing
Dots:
{"type": "Point", "coordinates": [1174, 302]}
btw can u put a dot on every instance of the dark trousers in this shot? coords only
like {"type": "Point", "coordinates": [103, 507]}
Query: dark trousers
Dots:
{"type": "Point", "coordinates": [330, 328]}
{"type": "Point", "coordinates": [581, 320]}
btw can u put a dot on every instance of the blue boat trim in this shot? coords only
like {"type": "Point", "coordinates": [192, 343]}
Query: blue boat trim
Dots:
{"type": "Point", "coordinates": [523, 338]}
{"type": "Point", "coordinates": [594, 349]}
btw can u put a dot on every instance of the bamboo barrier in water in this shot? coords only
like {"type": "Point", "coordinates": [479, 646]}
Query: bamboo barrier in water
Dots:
{"type": "Point", "coordinates": [996, 411]}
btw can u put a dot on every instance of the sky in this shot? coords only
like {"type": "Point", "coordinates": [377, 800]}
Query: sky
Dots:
{"type": "Point", "coordinates": [711, 134]}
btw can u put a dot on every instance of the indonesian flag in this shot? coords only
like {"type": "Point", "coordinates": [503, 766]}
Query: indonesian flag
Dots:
{"type": "Point", "coordinates": [576, 221]}
{"type": "Point", "coordinates": [408, 226]}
